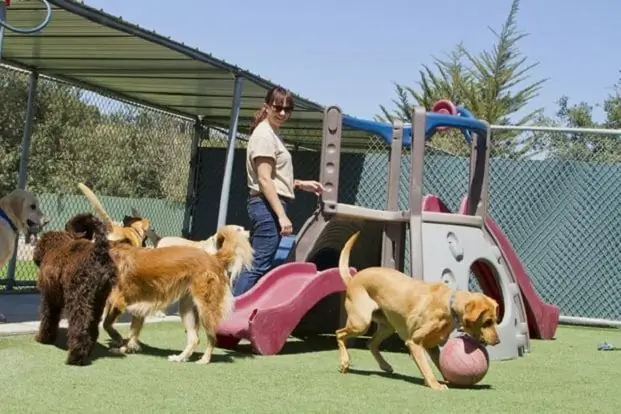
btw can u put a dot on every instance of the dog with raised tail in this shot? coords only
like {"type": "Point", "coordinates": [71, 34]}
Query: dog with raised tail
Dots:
{"type": "Point", "coordinates": [133, 230]}
{"type": "Point", "coordinates": [211, 246]}
{"type": "Point", "coordinates": [152, 279]}
{"type": "Point", "coordinates": [423, 314]}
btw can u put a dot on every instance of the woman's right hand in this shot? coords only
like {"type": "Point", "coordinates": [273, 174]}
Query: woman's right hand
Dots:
{"type": "Point", "coordinates": [286, 228]}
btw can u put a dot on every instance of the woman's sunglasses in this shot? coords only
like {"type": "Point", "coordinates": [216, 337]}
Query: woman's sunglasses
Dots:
{"type": "Point", "coordinates": [279, 108]}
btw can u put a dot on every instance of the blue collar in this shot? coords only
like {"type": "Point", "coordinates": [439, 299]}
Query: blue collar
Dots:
{"type": "Point", "coordinates": [6, 218]}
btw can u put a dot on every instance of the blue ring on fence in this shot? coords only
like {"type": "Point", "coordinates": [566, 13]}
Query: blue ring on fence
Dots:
{"type": "Point", "coordinates": [46, 21]}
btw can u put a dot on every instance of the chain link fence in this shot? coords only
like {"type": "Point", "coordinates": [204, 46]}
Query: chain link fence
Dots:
{"type": "Point", "coordinates": [130, 156]}
{"type": "Point", "coordinates": [558, 207]}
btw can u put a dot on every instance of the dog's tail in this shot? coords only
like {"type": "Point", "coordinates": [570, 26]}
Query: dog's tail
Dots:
{"type": "Point", "coordinates": [92, 198]}
{"type": "Point", "coordinates": [234, 251]}
{"type": "Point", "coordinates": [344, 258]}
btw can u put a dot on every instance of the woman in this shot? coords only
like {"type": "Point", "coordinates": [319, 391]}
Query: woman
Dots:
{"type": "Point", "coordinates": [269, 172]}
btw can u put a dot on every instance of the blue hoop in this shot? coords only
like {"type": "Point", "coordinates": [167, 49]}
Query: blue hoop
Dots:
{"type": "Point", "coordinates": [46, 21]}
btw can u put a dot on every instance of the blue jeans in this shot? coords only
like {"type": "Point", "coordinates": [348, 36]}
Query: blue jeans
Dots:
{"type": "Point", "coordinates": [265, 238]}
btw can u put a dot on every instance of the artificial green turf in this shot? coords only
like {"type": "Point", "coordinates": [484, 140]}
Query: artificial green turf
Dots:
{"type": "Point", "coordinates": [568, 374]}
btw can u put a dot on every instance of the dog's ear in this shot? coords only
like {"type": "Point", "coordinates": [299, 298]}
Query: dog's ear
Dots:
{"type": "Point", "coordinates": [474, 309]}
{"type": "Point", "coordinates": [220, 236]}
{"type": "Point", "coordinates": [146, 224]}
{"type": "Point", "coordinates": [17, 204]}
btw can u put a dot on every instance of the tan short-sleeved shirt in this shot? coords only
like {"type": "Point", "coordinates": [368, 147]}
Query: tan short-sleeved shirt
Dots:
{"type": "Point", "coordinates": [264, 142]}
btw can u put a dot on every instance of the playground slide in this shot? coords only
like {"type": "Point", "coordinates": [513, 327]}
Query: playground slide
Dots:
{"type": "Point", "coordinates": [543, 318]}
{"type": "Point", "coordinates": [268, 313]}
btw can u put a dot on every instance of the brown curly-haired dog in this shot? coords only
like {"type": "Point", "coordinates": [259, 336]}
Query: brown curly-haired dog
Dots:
{"type": "Point", "coordinates": [75, 275]}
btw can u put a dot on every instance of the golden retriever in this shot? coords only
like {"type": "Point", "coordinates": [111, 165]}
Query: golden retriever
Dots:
{"type": "Point", "coordinates": [19, 212]}
{"type": "Point", "coordinates": [152, 279]}
{"type": "Point", "coordinates": [423, 314]}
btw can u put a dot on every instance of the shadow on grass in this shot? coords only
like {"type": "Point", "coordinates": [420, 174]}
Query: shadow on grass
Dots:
{"type": "Point", "coordinates": [99, 350]}
{"type": "Point", "coordinates": [164, 353]}
{"type": "Point", "coordinates": [413, 380]}
{"type": "Point", "coordinates": [103, 351]}
{"type": "Point", "coordinates": [319, 343]}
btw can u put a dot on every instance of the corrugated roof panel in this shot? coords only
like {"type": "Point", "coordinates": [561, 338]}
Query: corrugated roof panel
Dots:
{"type": "Point", "coordinates": [102, 52]}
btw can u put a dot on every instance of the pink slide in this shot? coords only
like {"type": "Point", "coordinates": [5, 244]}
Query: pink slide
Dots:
{"type": "Point", "coordinates": [268, 313]}
{"type": "Point", "coordinates": [543, 318]}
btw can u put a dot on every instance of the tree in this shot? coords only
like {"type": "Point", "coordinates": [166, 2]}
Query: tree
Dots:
{"type": "Point", "coordinates": [128, 152]}
{"type": "Point", "coordinates": [494, 85]}
{"type": "Point", "coordinates": [581, 146]}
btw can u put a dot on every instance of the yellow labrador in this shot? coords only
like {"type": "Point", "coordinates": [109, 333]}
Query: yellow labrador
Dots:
{"type": "Point", "coordinates": [19, 212]}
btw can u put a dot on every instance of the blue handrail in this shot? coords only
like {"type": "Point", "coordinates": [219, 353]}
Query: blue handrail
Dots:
{"type": "Point", "coordinates": [465, 122]}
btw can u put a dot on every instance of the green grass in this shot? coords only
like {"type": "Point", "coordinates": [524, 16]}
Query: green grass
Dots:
{"type": "Point", "coordinates": [568, 374]}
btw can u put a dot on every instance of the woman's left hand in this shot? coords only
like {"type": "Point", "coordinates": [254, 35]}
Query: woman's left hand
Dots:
{"type": "Point", "coordinates": [310, 186]}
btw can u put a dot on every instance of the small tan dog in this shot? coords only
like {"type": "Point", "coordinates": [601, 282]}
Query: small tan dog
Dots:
{"type": "Point", "coordinates": [19, 212]}
{"type": "Point", "coordinates": [423, 314]}
{"type": "Point", "coordinates": [152, 279]}
{"type": "Point", "coordinates": [211, 246]}
{"type": "Point", "coordinates": [133, 230]}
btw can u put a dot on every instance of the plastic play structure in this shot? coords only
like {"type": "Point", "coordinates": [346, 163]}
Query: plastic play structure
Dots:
{"type": "Point", "coordinates": [444, 246]}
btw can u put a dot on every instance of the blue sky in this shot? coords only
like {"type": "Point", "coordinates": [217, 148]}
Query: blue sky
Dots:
{"type": "Point", "coordinates": [377, 43]}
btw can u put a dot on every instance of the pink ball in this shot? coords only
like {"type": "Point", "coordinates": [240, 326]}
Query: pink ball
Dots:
{"type": "Point", "coordinates": [463, 360]}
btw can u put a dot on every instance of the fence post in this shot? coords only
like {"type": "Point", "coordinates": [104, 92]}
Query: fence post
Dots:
{"type": "Point", "coordinates": [190, 195]}
{"type": "Point", "coordinates": [230, 151]}
{"type": "Point", "coordinates": [33, 81]}
{"type": "Point", "coordinates": [2, 19]}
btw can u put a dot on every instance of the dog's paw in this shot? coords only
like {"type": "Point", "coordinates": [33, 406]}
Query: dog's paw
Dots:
{"type": "Point", "coordinates": [343, 368]}
{"type": "Point", "coordinates": [177, 358]}
{"type": "Point", "coordinates": [78, 359]}
{"type": "Point", "coordinates": [130, 348]}
{"type": "Point", "coordinates": [386, 367]}
{"type": "Point", "coordinates": [203, 361]}
{"type": "Point", "coordinates": [115, 344]}
{"type": "Point", "coordinates": [438, 387]}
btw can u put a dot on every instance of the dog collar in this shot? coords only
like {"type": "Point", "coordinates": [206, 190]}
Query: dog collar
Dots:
{"type": "Point", "coordinates": [6, 218]}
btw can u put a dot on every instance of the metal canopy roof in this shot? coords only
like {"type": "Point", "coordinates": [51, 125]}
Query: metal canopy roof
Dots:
{"type": "Point", "coordinates": [97, 51]}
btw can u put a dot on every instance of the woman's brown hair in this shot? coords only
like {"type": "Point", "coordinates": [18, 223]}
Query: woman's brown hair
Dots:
{"type": "Point", "coordinates": [276, 96]}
